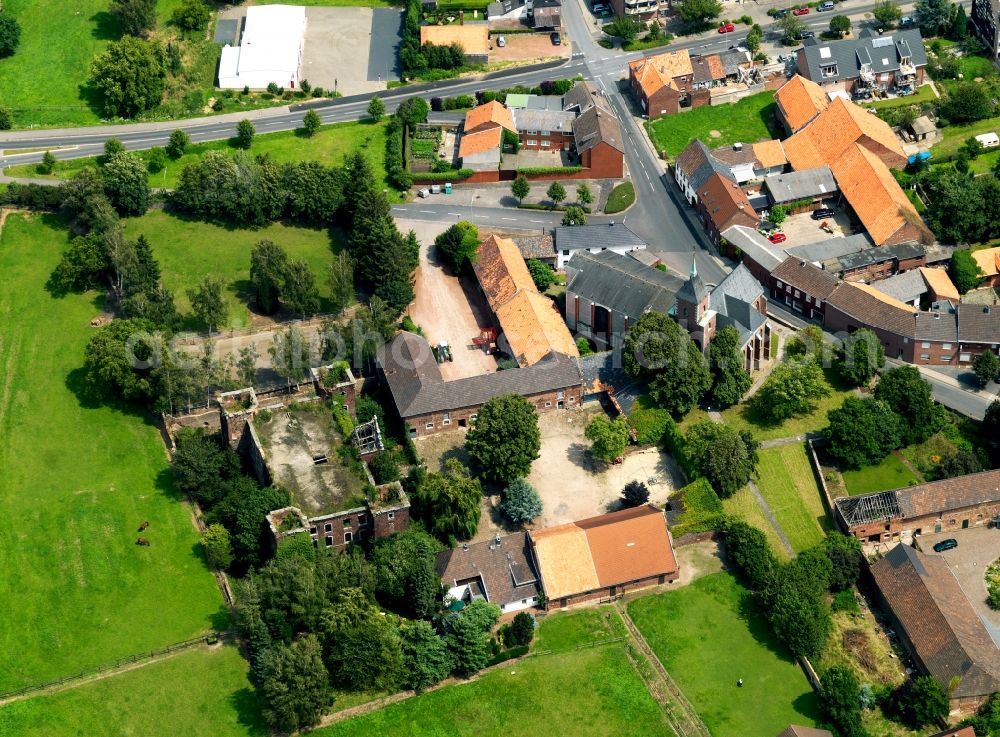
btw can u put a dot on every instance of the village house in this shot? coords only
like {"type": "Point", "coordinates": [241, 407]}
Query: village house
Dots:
{"type": "Point", "coordinates": [597, 134]}
{"type": "Point", "coordinates": [988, 260]}
{"type": "Point", "coordinates": [500, 571]}
{"type": "Point", "coordinates": [890, 62]}
{"type": "Point", "coordinates": [801, 286]}
{"type": "Point", "coordinates": [798, 102]}
{"type": "Point", "coordinates": [753, 250]}
{"type": "Point", "coordinates": [659, 83]}
{"type": "Point", "coordinates": [481, 143]}
{"type": "Point", "coordinates": [603, 556]}
{"type": "Point", "coordinates": [723, 204]}
{"type": "Point", "coordinates": [615, 237]}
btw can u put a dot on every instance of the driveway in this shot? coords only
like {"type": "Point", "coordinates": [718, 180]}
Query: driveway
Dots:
{"type": "Point", "coordinates": [977, 548]}
{"type": "Point", "coordinates": [802, 229]}
{"type": "Point", "coordinates": [448, 309]}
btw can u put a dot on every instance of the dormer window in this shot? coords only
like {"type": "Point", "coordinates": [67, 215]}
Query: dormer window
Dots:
{"type": "Point", "coordinates": [905, 61]}
{"type": "Point", "coordinates": [829, 71]}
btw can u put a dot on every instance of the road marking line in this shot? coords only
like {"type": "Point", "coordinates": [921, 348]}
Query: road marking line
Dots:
{"type": "Point", "coordinates": [455, 214]}
{"type": "Point", "coordinates": [514, 219]}
{"type": "Point", "coordinates": [429, 212]}
{"type": "Point", "coordinates": [537, 221]}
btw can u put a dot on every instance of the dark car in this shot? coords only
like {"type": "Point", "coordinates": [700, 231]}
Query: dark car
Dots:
{"type": "Point", "coordinates": [556, 39]}
{"type": "Point", "coordinates": [823, 212]}
{"type": "Point", "coordinates": [805, 34]}
{"type": "Point", "coordinates": [780, 13]}
{"type": "Point", "coordinates": [944, 545]}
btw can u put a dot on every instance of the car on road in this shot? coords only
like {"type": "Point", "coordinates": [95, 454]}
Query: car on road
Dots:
{"type": "Point", "coordinates": [823, 212]}
{"type": "Point", "coordinates": [556, 39]}
{"type": "Point", "coordinates": [777, 237]}
{"type": "Point", "coordinates": [727, 28]}
{"type": "Point", "coordinates": [501, 41]}
{"type": "Point", "coordinates": [949, 544]}
{"type": "Point", "coordinates": [800, 11]}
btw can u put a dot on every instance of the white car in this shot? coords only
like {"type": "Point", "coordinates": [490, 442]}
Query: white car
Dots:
{"type": "Point", "coordinates": [501, 41]}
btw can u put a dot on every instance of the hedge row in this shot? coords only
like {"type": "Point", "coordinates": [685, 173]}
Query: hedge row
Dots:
{"type": "Point", "coordinates": [676, 445]}
{"type": "Point", "coordinates": [514, 652]}
{"type": "Point", "coordinates": [442, 176]}
{"type": "Point", "coordinates": [545, 170]}
{"type": "Point", "coordinates": [395, 160]}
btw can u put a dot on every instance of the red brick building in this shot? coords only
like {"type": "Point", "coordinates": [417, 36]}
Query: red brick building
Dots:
{"type": "Point", "coordinates": [660, 82]}
{"type": "Point", "coordinates": [597, 134]}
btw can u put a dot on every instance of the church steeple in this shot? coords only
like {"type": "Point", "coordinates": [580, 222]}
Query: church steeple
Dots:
{"type": "Point", "coordinates": [694, 268]}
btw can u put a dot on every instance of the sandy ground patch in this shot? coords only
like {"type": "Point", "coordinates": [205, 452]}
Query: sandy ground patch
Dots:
{"type": "Point", "coordinates": [528, 46]}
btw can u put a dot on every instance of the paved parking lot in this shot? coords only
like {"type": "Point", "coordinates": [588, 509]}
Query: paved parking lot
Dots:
{"type": "Point", "coordinates": [802, 229]}
{"type": "Point", "coordinates": [977, 548]}
{"type": "Point", "coordinates": [352, 49]}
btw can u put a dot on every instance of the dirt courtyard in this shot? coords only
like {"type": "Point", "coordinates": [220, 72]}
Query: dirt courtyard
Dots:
{"type": "Point", "coordinates": [527, 47]}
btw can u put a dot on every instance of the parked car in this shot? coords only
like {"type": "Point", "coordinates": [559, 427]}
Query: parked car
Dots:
{"type": "Point", "coordinates": [556, 39]}
{"type": "Point", "coordinates": [599, 8]}
{"type": "Point", "coordinates": [823, 212]}
{"type": "Point", "coordinates": [424, 192]}
{"type": "Point", "coordinates": [777, 237]}
{"type": "Point", "coordinates": [727, 28]}
{"type": "Point", "coordinates": [501, 41]}
{"type": "Point", "coordinates": [949, 544]}
{"type": "Point", "coordinates": [780, 13]}
{"type": "Point", "coordinates": [805, 34]}
{"type": "Point", "coordinates": [906, 21]}
{"type": "Point", "coordinates": [800, 11]}
{"type": "Point", "coordinates": [823, 7]}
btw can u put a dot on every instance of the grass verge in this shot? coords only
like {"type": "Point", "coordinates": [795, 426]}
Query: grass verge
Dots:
{"type": "Point", "coordinates": [743, 504]}
{"type": "Point", "coordinates": [789, 486]}
{"type": "Point", "coordinates": [622, 196]}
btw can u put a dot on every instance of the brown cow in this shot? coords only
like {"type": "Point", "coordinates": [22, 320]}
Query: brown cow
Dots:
{"type": "Point", "coordinates": [144, 525]}
{"type": "Point", "coordinates": [142, 541]}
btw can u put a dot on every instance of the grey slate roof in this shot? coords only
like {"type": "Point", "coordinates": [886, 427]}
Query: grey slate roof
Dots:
{"type": "Point", "coordinates": [579, 98]}
{"type": "Point", "coordinates": [936, 326]}
{"type": "Point", "coordinates": [528, 119]}
{"type": "Point", "coordinates": [535, 246]}
{"type": "Point", "coordinates": [758, 248]}
{"type": "Point", "coordinates": [613, 235]}
{"type": "Point", "coordinates": [698, 163]}
{"type": "Point", "coordinates": [979, 323]}
{"type": "Point", "coordinates": [831, 248]}
{"type": "Point", "coordinates": [621, 283]}
{"type": "Point", "coordinates": [733, 59]}
{"type": "Point", "coordinates": [740, 284]}
{"type": "Point", "coordinates": [418, 388]}
{"type": "Point", "coordinates": [603, 370]}
{"type": "Point", "coordinates": [875, 255]}
{"type": "Point", "coordinates": [884, 53]}
{"type": "Point", "coordinates": [799, 185]}
{"type": "Point", "coordinates": [905, 287]}
{"type": "Point", "coordinates": [595, 126]}
{"type": "Point", "coordinates": [733, 299]}
{"type": "Point", "coordinates": [545, 102]}
{"type": "Point", "coordinates": [506, 569]}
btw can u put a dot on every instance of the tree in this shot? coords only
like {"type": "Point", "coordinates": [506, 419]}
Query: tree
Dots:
{"type": "Point", "coordinates": [293, 684]}
{"type": "Point", "coordinates": [887, 12]}
{"type": "Point", "coordinates": [178, 143]}
{"type": "Point", "coordinates": [298, 289]}
{"type": "Point", "coordinates": [384, 468]}
{"type": "Point", "coordinates": [730, 380]}
{"type": "Point", "coordinates": [458, 244]}
{"type": "Point", "coordinates": [584, 196]}
{"type": "Point", "coordinates": [82, 266]}
{"type": "Point", "coordinates": [840, 25]}
{"type": "Point", "coordinates": [966, 103]}
{"type": "Point", "coordinates": [520, 632]}
{"type": "Point", "coordinates": [413, 111]}
{"type": "Point", "coordinates": [844, 552]}
{"type": "Point", "coordinates": [933, 16]}
{"type": "Point", "coordinates": [799, 615]}
{"type": "Point", "coordinates": [130, 76]}
{"type": "Point", "coordinates": [10, 34]}
{"type": "Point", "coordinates": [48, 164]}
{"type": "Point", "coordinates": [520, 187]}
{"type": "Point", "coordinates": [923, 702]}
{"type": "Point", "coordinates": [556, 192]}
{"type": "Point", "coordinates": [862, 432]}
{"type": "Point", "coordinates": [290, 355]}
{"type": "Point", "coordinates": [192, 15]}
{"type": "Point", "coordinates": [384, 260]}
{"type": "Point", "coordinates": [521, 502]}
{"type": "Point", "coordinates": [859, 357]}
{"type": "Point", "coordinates": [468, 636]}
{"type": "Point", "coordinates": [699, 12]}
{"type": "Point", "coordinates": [986, 367]}
{"type": "Point", "coordinates": [960, 462]}
{"type": "Point", "coordinates": [404, 572]}
{"type": "Point", "coordinates": [268, 263]}
{"type": "Point", "coordinates": [574, 216]}
{"type": "Point", "coordinates": [959, 24]}
{"type": "Point", "coordinates": [311, 123]}
{"type": "Point", "coordinates": [838, 695]}
{"type": "Point", "coordinates": [608, 437]}
{"type": "Point", "coordinates": [624, 27]}
{"type": "Point", "coordinates": [658, 352]}
{"type": "Point", "coordinates": [341, 282]}
{"type": "Point", "coordinates": [909, 395]}
{"type": "Point", "coordinates": [791, 390]}
{"type": "Point", "coordinates": [964, 270]}
{"type": "Point", "coordinates": [755, 36]}
{"type": "Point", "coordinates": [747, 547]}
{"type": "Point", "coordinates": [156, 160]}
{"type": "Point", "coordinates": [202, 468]}
{"type": "Point", "coordinates": [635, 494]}
{"type": "Point", "coordinates": [361, 646]}
{"type": "Point", "coordinates": [116, 359]}
{"type": "Point", "coordinates": [218, 548]}
{"type": "Point", "coordinates": [126, 183]}
{"type": "Point", "coordinates": [426, 658]}
{"type": "Point", "coordinates": [246, 365]}
{"type": "Point", "coordinates": [809, 341]}
{"type": "Point", "coordinates": [245, 132]}
{"type": "Point", "coordinates": [376, 109]}
{"type": "Point", "coordinates": [6, 119]}
{"type": "Point", "coordinates": [449, 502]}
{"type": "Point", "coordinates": [791, 28]}
{"type": "Point", "coordinates": [208, 304]}
{"type": "Point", "coordinates": [727, 458]}
{"type": "Point", "coordinates": [137, 17]}
{"type": "Point", "coordinates": [112, 147]}
{"type": "Point", "coordinates": [243, 513]}
{"type": "Point", "coordinates": [541, 274]}
{"type": "Point", "coordinates": [505, 439]}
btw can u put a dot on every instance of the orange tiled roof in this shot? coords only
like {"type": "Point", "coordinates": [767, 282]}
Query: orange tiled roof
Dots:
{"type": "Point", "coordinates": [800, 100]}
{"type": "Point", "coordinates": [770, 153]}
{"type": "Point", "coordinates": [940, 283]}
{"type": "Point", "coordinates": [715, 66]}
{"type": "Point", "coordinates": [479, 141]}
{"type": "Point", "coordinates": [726, 203]}
{"type": "Point", "coordinates": [489, 115]}
{"type": "Point", "coordinates": [533, 328]}
{"type": "Point", "coordinates": [875, 196]}
{"type": "Point", "coordinates": [656, 72]}
{"type": "Point", "coordinates": [472, 37]}
{"type": "Point", "coordinates": [501, 270]}
{"type": "Point", "coordinates": [834, 130]}
{"type": "Point", "coordinates": [988, 260]}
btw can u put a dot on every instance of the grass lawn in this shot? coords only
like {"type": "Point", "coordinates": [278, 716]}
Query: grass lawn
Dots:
{"type": "Point", "coordinates": [622, 196]}
{"type": "Point", "coordinates": [744, 504]}
{"type": "Point", "coordinates": [329, 146]}
{"type": "Point", "coordinates": [787, 482]}
{"type": "Point", "coordinates": [188, 250]}
{"type": "Point", "coordinates": [924, 93]}
{"type": "Point", "coordinates": [741, 417]}
{"type": "Point", "coordinates": [711, 633]}
{"type": "Point", "coordinates": [956, 135]}
{"type": "Point", "coordinates": [751, 119]}
{"type": "Point", "coordinates": [43, 82]}
{"type": "Point", "coordinates": [891, 473]}
{"type": "Point", "coordinates": [197, 693]}
{"type": "Point", "coordinates": [77, 481]}
{"type": "Point", "coordinates": [587, 693]}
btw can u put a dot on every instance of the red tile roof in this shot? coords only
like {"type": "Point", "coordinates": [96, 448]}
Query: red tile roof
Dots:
{"type": "Point", "coordinates": [800, 100]}
{"type": "Point", "coordinates": [726, 203]}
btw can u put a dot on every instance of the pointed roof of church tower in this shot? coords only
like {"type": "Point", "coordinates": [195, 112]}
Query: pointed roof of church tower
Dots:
{"type": "Point", "coordinates": [693, 290]}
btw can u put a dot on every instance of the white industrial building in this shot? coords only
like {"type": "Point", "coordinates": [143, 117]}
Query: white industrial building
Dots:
{"type": "Point", "coordinates": [270, 49]}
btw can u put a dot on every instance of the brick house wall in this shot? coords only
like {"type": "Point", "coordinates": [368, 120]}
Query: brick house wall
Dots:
{"type": "Point", "coordinates": [870, 272]}
{"type": "Point", "coordinates": [896, 346]}
{"type": "Point", "coordinates": [390, 521]}
{"type": "Point", "coordinates": [975, 516]}
{"type": "Point", "coordinates": [340, 529]}
{"type": "Point", "coordinates": [596, 594]}
{"type": "Point", "coordinates": [701, 98]}
{"type": "Point", "coordinates": [797, 300]}
{"type": "Point", "coordinates": [665, 101]}
{"type": "Point", "coordinates": [551, 141]}
{"type": "Point", "coordinates": [581, 314]}
{"type": "Point", "coordinates": [604, 162]}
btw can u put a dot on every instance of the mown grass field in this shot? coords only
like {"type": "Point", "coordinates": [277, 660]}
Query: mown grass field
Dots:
{"type": "Point", "coordinates": [189, 250]}
{"type": "Point", "coordinates": [329, 146]}
{"type": "Point", "coordinates": [711, 633]}
{"type": "Point", "coordinates": [78, 479]}
{"type": "Point", "coordinates": [198, 693]}
{"type": "Point", "coordinates": [744, 504]}
{"type": "Point", "coordinates": [891, 473]}
{"type": "Point", "coordinates": [44, 82]}
{"type": "Point", "coordinates": [749, 120]}
{"type": "Point", "coordinates": [586, 693]}
{"type": "Point", "coordinates": [789, 486]}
